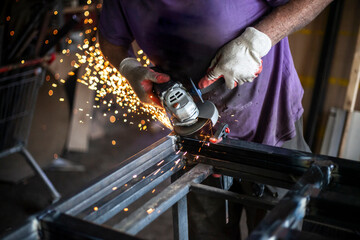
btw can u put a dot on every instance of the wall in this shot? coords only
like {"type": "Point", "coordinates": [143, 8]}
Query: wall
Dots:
{"type": "Point", "coordinates": [306, 46]}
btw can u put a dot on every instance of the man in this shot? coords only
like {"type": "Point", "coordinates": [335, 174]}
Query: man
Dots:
{"type": "Point", "coordinates": [242, 41]}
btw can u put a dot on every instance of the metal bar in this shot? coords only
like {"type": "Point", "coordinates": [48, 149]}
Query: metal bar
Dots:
{"type": "Point", "coordinates": [323, 72]}
{"type": "Point", "coordinates": [55, 225]}
{"type": "Point", "coordinates": [10, 151]}
{"type": "Point", "coordinates": [34, 165]}
{"type": "Point", "coordinates": [180, 219]}
{"type": "Point", "coordinates": [163, 201]}
{"type": "Point", "coordinates": [119, 176]}
{"type": "Point", "coordinates": [266, 163]}
{"type": "Point", "coordinates": [27, 63]}
{"type": "Point", "coordinates": [214, 192]}
{"type": "Point", "coordinates": [123, 196]}
{"type": "Point", "coordinates": [291, 208]}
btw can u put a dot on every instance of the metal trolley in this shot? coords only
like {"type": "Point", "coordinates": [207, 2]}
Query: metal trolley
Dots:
{"type": "Point", "coordinates": [18, 94]}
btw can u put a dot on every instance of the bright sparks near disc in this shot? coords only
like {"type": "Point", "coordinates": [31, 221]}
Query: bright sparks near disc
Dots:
{"type": "Point", "coordinates": [101, 77]}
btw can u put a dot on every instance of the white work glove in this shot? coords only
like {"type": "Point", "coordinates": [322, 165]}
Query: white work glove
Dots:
{"type": "Point", "coordinates": [239, 61]}
{"type": "Point", "coordinates": [141, 79]}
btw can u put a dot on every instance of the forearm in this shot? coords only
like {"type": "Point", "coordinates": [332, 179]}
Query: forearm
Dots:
{"type": "Point", "coordinates": [286, 19]}
{"type": "Point", "coordinates": [113, 53]}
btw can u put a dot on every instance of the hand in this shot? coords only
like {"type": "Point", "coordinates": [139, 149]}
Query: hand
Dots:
{"type": "Point", "coordinates": [239, 61]}
{"type": "Point", "coordinates": [141, 79]}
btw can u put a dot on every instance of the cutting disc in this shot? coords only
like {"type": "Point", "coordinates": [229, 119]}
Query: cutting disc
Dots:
{"type": "Point", "coordinates": [188, 130]}
{"type": "Point", "coordinates": [207, 113]}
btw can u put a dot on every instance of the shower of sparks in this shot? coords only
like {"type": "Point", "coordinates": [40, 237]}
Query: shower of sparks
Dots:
{"type": "Point", "coordinates": [104, 79]}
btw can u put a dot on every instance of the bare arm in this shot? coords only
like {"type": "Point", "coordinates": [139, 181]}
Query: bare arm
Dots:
{"type": "Point", "coordinates": [288, 18]}
{"type": "Point", "coordinates": [113, 53]}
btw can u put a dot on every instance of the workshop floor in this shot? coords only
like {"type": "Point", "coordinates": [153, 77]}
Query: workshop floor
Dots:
{"type": "Point", "coordinates": [30, 196]}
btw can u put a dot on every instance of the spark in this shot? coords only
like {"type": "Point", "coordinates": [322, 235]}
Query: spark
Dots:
{"type": "Point", "coordinates": [114, 188]}
{"type": "Point", "coordinates": [153, 190]}
{"type": "Point", "coordinates": [160, 163]}
{"type": "Point", "coordinates": [112, 119]}
{"type": "Point", "coordinates": [126, 209]}
{"type": "Point", "coordinates": [157, 171]}
{"type": "Point", "coordinates": [113, 142]}
{"type": "Point", "coordinates": [61, 99]}
{"type": "Point", "coordinates": [96, 208]}
{"type": "Point", "coordinates": [150, 210]}
{"type": "Point", "coordinates": [101, 77]}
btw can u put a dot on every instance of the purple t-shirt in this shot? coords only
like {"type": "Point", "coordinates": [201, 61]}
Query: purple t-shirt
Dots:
{"type": "Point", "coordinates": [182, 37]}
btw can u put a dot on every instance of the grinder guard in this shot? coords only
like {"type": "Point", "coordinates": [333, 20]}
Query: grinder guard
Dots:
{"type": "Point", "coordinates": [187, 116]}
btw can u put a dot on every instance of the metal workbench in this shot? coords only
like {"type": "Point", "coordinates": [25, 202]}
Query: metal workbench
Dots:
{"type": "Point", "coordinates": [323, 190]}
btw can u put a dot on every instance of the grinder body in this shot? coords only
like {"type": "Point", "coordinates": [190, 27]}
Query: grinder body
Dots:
{"type": "Point", "coordinates": [187, 116]}
{"type": "Point", "coordinates": [178, 102]}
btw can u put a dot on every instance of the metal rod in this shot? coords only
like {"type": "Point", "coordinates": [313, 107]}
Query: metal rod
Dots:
{"type": "Point", "coordinates": [180, 219]}
{"type": "Point", "coordinates": [159, 204]}
{"type": "Point", "coordinates": [28, 63]}
{"type": "Point", "coordinates": [34, 165]}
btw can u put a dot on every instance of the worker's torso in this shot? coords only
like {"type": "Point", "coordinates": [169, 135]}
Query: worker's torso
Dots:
{"type": "Point", "coordinates": [182, 37]}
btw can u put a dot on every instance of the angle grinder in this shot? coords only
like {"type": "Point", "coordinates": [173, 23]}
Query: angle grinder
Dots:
{"type": "Point", "coordinates": [187, 116]}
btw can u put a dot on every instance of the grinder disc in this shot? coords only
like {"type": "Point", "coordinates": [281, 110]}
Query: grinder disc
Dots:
{"type": "Point", "coordinates": [207, 113]}
{"type": "Point", "coordinates": [188, 130]}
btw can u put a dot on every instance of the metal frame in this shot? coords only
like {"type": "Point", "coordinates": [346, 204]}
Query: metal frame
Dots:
{"type": "Point", "coordinates": [18, 94]}
{"type": "Point", "coordinates": [303, 173]}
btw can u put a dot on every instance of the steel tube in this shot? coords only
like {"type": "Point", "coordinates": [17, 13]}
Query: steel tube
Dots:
{"type": "Point", "coordinates": [180, 219]}
{"type": "Point", "coordinates": [142, 160]}
{"type": "Point", "coordinates": [120, 198]}
{"type": "Point", "coordinates": [159, 204]}
{"type": "Point", "coordinates": [265, 164]}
